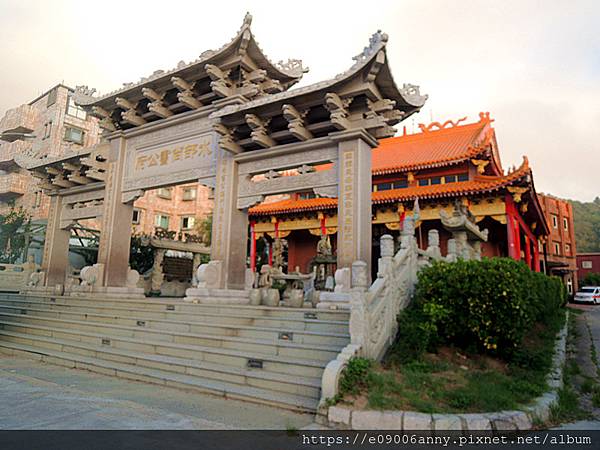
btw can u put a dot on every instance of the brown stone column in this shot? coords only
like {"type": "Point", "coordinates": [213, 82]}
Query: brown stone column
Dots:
{"type": "Point", "coordinates": [56, 246]}
{"type": "Point", "coordinates": [115, 236]}
{"type": "Point", "coordinates": [354, 200]}
{"type": "Point", "coordinates": [230, 225]}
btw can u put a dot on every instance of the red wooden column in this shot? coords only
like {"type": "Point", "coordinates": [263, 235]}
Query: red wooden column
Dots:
{"type": "Point", "coordinates": [252, 247]}
{"type": "Point", "coordinates": [528, 251]}
{"type": "Point", "coordinates": [536, 256]}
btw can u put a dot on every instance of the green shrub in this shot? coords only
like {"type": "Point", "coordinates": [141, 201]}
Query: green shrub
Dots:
{"type": "Point", "coordinates": [591, 279]}
{"type": "Point", "coordinates": [355, 375]}
{"type": "Point", "coordinates": [485, 305]}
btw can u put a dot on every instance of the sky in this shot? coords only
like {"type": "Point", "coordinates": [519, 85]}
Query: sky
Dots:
{"type": "Point", "coordinates": [534, 65]}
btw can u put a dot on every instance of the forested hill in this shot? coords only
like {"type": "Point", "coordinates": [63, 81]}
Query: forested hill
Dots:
{"type": "Point", "coordinates": [587, 225]}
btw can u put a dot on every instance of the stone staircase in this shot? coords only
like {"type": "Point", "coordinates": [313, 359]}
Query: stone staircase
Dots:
{"type": "Point", "coordinates": [260, 354]}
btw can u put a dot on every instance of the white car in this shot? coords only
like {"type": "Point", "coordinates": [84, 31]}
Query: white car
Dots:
{"type": "Point", "coordinates": [588, 294]}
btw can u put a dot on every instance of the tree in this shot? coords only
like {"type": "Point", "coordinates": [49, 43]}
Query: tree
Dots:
{"type": "Point", "coordinates": [591, 279]}
{"type": "Point", "coordinates": [14, 231]}
{"type": "Point", "coordinates": [586, 217]}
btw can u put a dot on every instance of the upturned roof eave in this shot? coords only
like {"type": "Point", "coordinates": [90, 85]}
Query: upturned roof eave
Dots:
{"type": "Point", "coordinates": [207, 57]}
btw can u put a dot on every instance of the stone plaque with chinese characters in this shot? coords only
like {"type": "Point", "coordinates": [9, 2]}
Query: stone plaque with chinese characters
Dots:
{"type": "Point", "coordinates": [176, 161]}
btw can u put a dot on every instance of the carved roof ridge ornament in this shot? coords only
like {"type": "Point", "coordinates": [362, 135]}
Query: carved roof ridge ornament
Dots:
{"type": "Point", "coordinates": [410, 93]}
{"type": "Point", "coordinates": [441, 126]}
{"type": "Point", "coordinates": [291, 69]}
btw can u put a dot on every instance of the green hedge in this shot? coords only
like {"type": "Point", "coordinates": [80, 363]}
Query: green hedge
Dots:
{"type": "Point", "coordinates": [486, 306]}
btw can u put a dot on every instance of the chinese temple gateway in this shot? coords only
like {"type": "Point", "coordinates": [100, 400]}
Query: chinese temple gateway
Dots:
{"type": "Point", "coordinates": [316, 167]}
{"type": "Point", "coordinates": [442, 164]}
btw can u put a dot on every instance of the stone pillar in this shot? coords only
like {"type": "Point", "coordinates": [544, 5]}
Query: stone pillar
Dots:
{"type": "Point", "coordinates": [115, 236]}
{"type": "Point", "coordinates": [56, 246]}
{"type": "Point", "coordinates": [230, 226]}
{"type": "Point", "coordinates": [354, 199]}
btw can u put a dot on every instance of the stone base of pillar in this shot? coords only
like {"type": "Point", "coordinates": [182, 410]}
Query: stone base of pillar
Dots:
{"type": "Point", "coordinates": [217, 296]}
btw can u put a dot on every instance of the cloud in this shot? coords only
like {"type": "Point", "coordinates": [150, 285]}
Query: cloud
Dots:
{"type": "Point", "coordinates": [533, 64]}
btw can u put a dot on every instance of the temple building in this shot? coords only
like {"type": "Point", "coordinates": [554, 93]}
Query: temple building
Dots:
{"type": "Point", "coordinates": [559, 249]}
{"type": "Point", "coordinates": [440, 165]}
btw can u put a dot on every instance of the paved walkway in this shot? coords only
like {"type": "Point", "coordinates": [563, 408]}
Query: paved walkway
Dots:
{"type": "Point", "coordinates": [588, 329]}
{"type": "Point", "coordinates": [35, 395]}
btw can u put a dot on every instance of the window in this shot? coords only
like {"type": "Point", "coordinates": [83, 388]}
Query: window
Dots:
{"type": "Point", "coordinates": [137, 216]}
{"type": "Point", "coordinates": [51, 97]}
{"type": "Point", "coordinates": [306, 195]}
{"type": "Point", "coordinates": [400, 184]}
{"type": "Point", "coordinates": [567, 249]}
{"type": "Point", "coordinates": [450, 178]}
{"type": "Point", "coordinates": [165, 193]}
{"type": "Point", "coordinates": [556, 248]}
{"type": "Point", "coordinates": [189, 194]}
{"type": "Point", "coordinates": [463, 177]}
{"type": "Point", "coordinates": [73, 134]}
{"type": "Point", "coordinates": [436, 180]}
{"type": "Point", "coordinates": [75, 110]}
{"type": "Point", "coordinates": [47, 130]}
{"type": "Point", "coordinates": [554, 221]}
{"type": "Point", "coordinates": [383, 186]}
{"type": "Point", "coordinates": [162, 221]}
{"type": "Point", "coordinates": [565, 224]}
{"type": "Point", "coordinates": [187, 222]}
{"type": "Point", "coordinates": [586, 264]}
{"type": "Point", "coordinates": [424, 182]}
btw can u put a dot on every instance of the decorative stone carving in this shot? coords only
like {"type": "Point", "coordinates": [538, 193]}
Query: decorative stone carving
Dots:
{"type": "Point", "coordinates": [360, 278]}
{"type": "Point", "coordinates": [157, 273]}
{"type": "Point", "coordinates": [296, 123]}
{"type": "Point", "coordinates": [278, 249]}
{"type": "Point", "coordinates": [324, 246]}
{"type": "Point", "coordinates": [36, 279]}
{"type": "Point", "coordinates": [338, 113]}
{"type": "Point", "coordinates": [386, 246]}
{"type": "Point", "coordinates": [209, 275]}
{"type": "Point", "coordinates": [259, 131]}
{"type": "Point", "coordinates": [90, 275]}
{"type": "Point", "coordinates": [220, 84]}
{"type": "Point", "coordinates": [132, 278]}
{"type": "Point", "coordinates": [186, 94]}
{"type": "Point", "coordinates": [343, 280]}
{"type": "Point", "coordinates": [452, 254]}
{"type": "Point", "coordinates": [227, 141]}
{"type": "Point", "coordinates": [433, 248]}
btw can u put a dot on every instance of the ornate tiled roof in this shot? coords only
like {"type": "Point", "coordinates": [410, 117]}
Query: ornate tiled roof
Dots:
{"type": "Point", "coordinates": [432, 147]}
{"type": "Point", "coordinates": [480, 184]}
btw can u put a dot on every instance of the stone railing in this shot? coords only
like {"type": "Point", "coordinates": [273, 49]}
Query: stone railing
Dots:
{"type": "Point", "coordinates": [15, 277]}
{"type": "Point", "coordinates": [374, 309]}
{"type": "Point", "coordinates": [8, 150]}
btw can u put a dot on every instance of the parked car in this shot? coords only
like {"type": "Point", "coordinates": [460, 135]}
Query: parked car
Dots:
{"type": "Point", "coordinates": [588, 294]}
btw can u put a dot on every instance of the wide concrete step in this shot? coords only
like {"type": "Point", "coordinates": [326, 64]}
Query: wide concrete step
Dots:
{"type": "Point", "coordinates": [306, 323]}
{"type": "Point", "coordinates": [253, 377]}
{"type": "Point", "coordinates": [254, 346]}
{"type": "Point", "coordinates": [162, 377]}
{"type": "Point", "coordinates": [182, 325]}
{"type": "Point", "coordinates": [178, 305]}
{"type": "Point", "coordinates": [278, 363]}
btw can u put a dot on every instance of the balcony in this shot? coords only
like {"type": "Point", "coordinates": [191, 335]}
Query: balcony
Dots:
{"type": "Point", "coordinates": [12, 185]}
{"type": "Point", "coordinates": [18, 121]}
{"type": "Point", "coordinates": [8, 151]}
